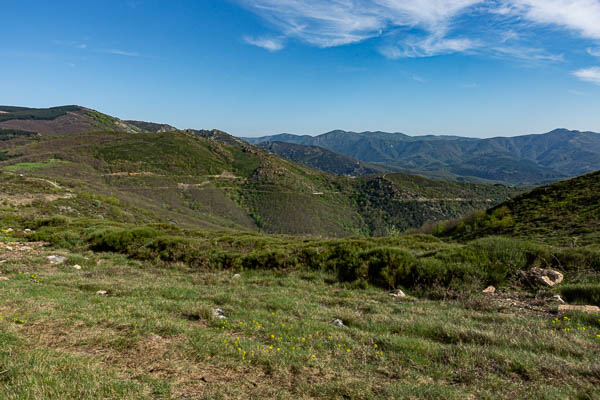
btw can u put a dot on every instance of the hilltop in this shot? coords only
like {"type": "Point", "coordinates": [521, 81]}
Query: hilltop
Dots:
{"type": "Point", "coordinates": [519, 160]}
{"type": "Point", "coordinates": [213, 180]}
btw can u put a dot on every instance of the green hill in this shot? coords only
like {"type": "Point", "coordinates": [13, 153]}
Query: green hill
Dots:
{"type": "Point", "coordinates": [212, 180]}
{"type": "Point", "coordinates": [567, 212]}
{"type": "Point", "coordinates": [322, 159]}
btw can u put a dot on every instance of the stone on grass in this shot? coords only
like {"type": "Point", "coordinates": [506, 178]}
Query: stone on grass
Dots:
{"type": "Point", "coordinates": [77, 266]}
{"type": "Point", "coordinates": [55, 260]}
{"type": "Point", "coordinates": [557, 298]}
{"type": "Point", "coordinates": [563, 308]}
{"type": "Point", "coordinates": [218, 313]}
{"type": "Point", "coordinates": [3, 278]}
{"type": "Point", "coordinates": [489, 289]}
{"type": "Point", "coordinates": [543, 277]}
{"type": "Point", "coordinates": [101, 292]}
{"type": "Point", "coordinates": [398, 293]}
{"type": "Point", "coordinates": [338, 323]}
{"type": "Point", "coordinates": [27, 231]}
{"type": "Point", "coordinates": [9, 230]}
{"type": "Point", "coordinates": [236, 276]}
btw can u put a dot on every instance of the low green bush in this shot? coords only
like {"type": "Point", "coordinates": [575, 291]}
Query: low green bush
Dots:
{"type": "Point", "coordinates": [581, 293]}
{"type": "Point", "coordinates": [119, 240]}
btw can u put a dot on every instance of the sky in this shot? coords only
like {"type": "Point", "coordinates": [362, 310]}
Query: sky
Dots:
{"type": "Point", "coordinates": [259, 67]}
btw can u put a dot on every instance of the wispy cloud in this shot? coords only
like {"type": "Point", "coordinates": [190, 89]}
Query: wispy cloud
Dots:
{"type": "Point", "coordinates": [271, 44]}
{"type": "Point", "coordinates": [470, 85]}
{"type": "Point", "coordinates": [589, 75]}
{"type": "Point", "coordinates": [341, 22]}
{"type": "Point", "coordinates": [118, 52]}
{"type": "Point", "coordinates": [424, 28]}
{"type": "Point", "coordinates": [73, 44]}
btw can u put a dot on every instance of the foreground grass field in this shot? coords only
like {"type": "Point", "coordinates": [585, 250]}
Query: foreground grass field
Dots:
{"type": "Point", "coordinates": [154, 335]}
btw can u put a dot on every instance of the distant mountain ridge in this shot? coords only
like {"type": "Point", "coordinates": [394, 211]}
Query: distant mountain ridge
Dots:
{"type": "Point", "coordinates": [322, 159]}
{"type": "Point", "coordinates": [519, 160]}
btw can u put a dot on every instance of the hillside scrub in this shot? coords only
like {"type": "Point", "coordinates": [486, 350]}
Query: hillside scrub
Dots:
{"type": "Point", "coordinates": [420, 263]}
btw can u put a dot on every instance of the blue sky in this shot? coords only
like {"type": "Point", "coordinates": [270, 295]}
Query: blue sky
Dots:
{"type": "Point", "coordinates": [258, 67]}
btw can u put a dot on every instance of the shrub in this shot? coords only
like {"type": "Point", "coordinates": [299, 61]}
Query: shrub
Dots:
{"type": "Point", "coordinates": [269, 259]}
{"type": "Point", "coordinates": [119, 240]}
{"type": "Point", "coordinates": [388, 266]}
{"type": "Point", "coordinates": [581, 293]}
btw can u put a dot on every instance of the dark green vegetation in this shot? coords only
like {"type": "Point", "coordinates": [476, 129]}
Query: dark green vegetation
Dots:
{"type": "Point", "coordinates": [212, 180]}
{"type": "Point", "coordinates": [520, 160]}
{"type": "Point", "coordinates": [23, 113]}
{"type": "Point", "coordinates": [567, 212]}
{"type": "Point", "coordinates": [322, 159]}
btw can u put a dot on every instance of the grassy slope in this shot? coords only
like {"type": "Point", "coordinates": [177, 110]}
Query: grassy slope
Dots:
{"type": "Point", "coordinates": [153, 336]}
{"type": "Point", "coordinates": [566, 212]}
{"type": "Point", "coordinates": [206, 180]}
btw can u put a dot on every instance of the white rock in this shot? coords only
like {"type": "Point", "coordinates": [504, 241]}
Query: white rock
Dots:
{"type": "Point", "coordinates": [557, 298]}
{"type": "Point", "coordinates": [338, 323]}
{"type": "Point", "coordinates": [218, 313]}
{"type": "Point", "coordinates": [398, 293]}
{"type": "Point", "coordinates": [9, 230]}
{"type": "Point", "coordinates": [101, 292]}
{"type": "Point", "coordinates": [55, 260]}
{"type": "Point", "coordinates": [3, 278]}
{"type": "Point", "coordinates": [489, 289]}
{"type": "Point", "coordinates": [236, 276]}
{"type": "Point", "coordinates": [77, 266]}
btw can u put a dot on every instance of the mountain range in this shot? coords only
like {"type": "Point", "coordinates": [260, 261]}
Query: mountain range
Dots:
{"type": "Point", "coordinates": [520, 160]}
{"type": "Point", "coordinates": [209, 179]}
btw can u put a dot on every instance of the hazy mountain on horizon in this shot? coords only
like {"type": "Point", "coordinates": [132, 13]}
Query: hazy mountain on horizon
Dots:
{"type": "Point", "coordinates": [518, 160]}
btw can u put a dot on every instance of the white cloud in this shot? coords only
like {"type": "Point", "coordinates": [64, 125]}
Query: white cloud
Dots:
{"type": "Point", "coordinates": [340, 22]}
{"type": "Point", "coordinates": [121, 52]}
{"type": "Point", "coordinates": [582, 16]}
{"type": "Point", "coordinates": [427, 47]}
{"type": "Point", "coordinates": [594, 52]}
{"type": "Point", "coordinates": [271, 44]}
{"type": "Point", "coordinates": [424, 28]}
{"type": "Point", "coordinates": [589, 75]}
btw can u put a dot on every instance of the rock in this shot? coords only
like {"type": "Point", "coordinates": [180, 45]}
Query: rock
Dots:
{"type": "Point", "coordinates": [236, 276]}
{"type": "Point", "coordinates": [543, 277]}
{"type": "Point", "coordinates": [55, 260]}
{"type": "Point", "coordinates": [3, 261]}
{"type": "Point", "coordinates": [9, 230]}
{"type": "Point", "coordinates": [489, 289]}
{"type": "Point", "coordinates": [398, 293]}
{"type": "Point", "coordinates": [338, 323]}
{"type": "Point", "coordinates": [101, 292]}
{"type": "Point", "coordinates": [27, 231]}
{"type": "Point", "coordinates": [77, 266]}
{"type": "Point", "coordinates": [9, 248]}
{"type": "Point", "coordinates": [563, 308]}
{"type": "Point", "coordinates": [3, 278]}
{"type": "Point", "coordinates": [557, 298]}
{"type": "Point", "coordinates": [218, 313]}
{"type": "Point", "coordinates": [154, 336]}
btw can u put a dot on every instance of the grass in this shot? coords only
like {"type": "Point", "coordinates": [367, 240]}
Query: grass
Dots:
{"type": "Point", "coordinates": [154, 336]}
{"type": "Point", "coordinates": [34, 166]}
